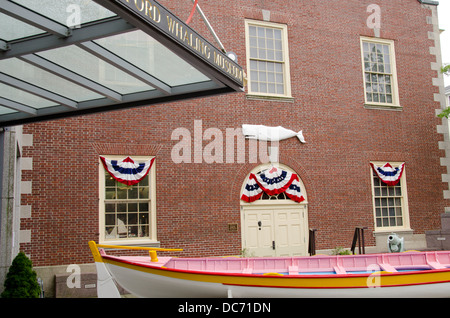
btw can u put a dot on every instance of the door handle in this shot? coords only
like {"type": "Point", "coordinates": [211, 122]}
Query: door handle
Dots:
{"type": "Point", "coordinates": [273, 244]}
{"type": "Point", "coordinates": [259, 224]}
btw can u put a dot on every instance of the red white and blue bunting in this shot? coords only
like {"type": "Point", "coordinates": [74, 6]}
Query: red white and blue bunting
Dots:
{"type": "Point", "coordinates": [388, 174]}
{"type": "Point", "coordinates": [272, 182]}
{"type": "Point", "coordinates": [126, 171]}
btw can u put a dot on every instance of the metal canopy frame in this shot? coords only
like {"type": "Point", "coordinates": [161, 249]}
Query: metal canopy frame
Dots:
{"type": "Point", "coordinates": [216, 73]}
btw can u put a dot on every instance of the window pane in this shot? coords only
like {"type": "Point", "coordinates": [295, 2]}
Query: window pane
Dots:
{"type": "Point", "coordinates": [144, 193]}
{"type": "Point", "coordinates": [133, 193]}
{"type": "Point", "coordinates": [122, 207]}
{"type": "Point", "coordinates": [109, 181]}
{"type": "Point", "coordinates": [280, 89]}
{"type": "Point", "coordinates": [132, 207]}
{"type": "Point", "coordinates": [110, 207]}
{"type": "Point", "coordinates": [272, 88]}
{"type": "Point", "coordinates": [266, 60]}
{"type": "Point", "coordinates": [277, 34]}
{"type": "Point", "coordinates": [127, 209]}
{"type": "Point", "coordinates": [122, 193]}
{"type": "Point", "coordinates": [387, 203]}
{"type": "Point", "coordinates": [377, 69]}
{"type": "Point", "coordinates": [110, 219]}
{"type": "Point", "coordinates": [110, 193]}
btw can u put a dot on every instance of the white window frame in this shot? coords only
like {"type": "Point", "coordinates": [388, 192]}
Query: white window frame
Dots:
{"type": "Point", "coordinates": [404, 200]}
{"type": "Point", "coordinates": [285, 63]}
{"type": "Point", "coordinates": [152, 219]}
{"type": "Point", "coordinates": [394, 84]}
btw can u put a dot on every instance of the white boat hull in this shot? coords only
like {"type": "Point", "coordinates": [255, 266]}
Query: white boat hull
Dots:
{"type": "Point", "coordinates": [395, 275]}
{"type": "Point", "coordinates": [148, 285]}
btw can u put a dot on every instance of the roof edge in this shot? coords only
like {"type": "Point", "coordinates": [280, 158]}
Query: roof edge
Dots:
{"type": "Point", "coordinates": [435, 3]}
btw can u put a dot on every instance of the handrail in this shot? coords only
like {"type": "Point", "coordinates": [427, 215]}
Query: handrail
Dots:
{"type": "Point", "coordinates": [359, 237]}
{"type": "Point", "coordinates": [312, 242]}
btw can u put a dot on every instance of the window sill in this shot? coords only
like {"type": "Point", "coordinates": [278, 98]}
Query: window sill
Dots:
{"type": "Point", "coordinates": [143, 243]}
{"type": "Point", "coordinates": [398, 231]}
{"type": "Point", "coordinates": [383, 107]}
{"type": "Point", "coordinates": [272, 98]}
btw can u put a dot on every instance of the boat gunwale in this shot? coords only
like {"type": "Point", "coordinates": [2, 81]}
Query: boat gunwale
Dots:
{"type": "Point", "coordinates": [267, 275]}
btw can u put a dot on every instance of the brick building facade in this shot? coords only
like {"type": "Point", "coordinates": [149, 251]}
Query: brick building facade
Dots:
{"type": "Point", "coordinates": [351, 114]}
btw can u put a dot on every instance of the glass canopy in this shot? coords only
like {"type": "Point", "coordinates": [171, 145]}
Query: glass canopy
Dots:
{"type": "Point", "coordinates": [60, 58]}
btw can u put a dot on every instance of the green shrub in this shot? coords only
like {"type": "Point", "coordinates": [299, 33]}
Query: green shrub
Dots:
{"type": "Point", "coordinates": [21, 279]}
{"type": "Point", "coordinates": [340, 251]}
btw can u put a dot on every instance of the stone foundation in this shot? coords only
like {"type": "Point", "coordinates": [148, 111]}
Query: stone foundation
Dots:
{"type": "Point", "coordinates": [440, 239]}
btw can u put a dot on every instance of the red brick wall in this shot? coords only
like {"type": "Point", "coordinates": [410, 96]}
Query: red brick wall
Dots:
{"type": "Point", "coordinates": [195, 202]}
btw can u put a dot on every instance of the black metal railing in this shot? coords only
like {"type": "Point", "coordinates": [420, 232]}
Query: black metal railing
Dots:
{"type": "Point", "coordinates": [312, 242]}
{"type": "Point", "coordinates": [358, 237]}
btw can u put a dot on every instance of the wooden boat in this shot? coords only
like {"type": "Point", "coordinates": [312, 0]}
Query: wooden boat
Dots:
{"type": "Point", "coordinates": [407, 274]}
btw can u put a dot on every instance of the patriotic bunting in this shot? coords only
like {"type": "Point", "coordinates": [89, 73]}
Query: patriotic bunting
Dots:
{"type": "Point", "coordinates": [294, 192]}
{"type": "Point", "coordinates": [252, 191]}
{"type": "Point", "coordinates": [389, 175]}
{"type": "Point", "coordinates": [272, 182]}
{"type": "Point", "coordinates": [126, 171]}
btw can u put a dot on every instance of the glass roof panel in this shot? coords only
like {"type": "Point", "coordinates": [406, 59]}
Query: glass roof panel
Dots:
{"type": "Point", "coordinates": [48, 71]}
{"type": "Point", "coordinates": [23, 97]}
{"type": "Point", "coordinates": [36, 76]}
{"type": "Point", "coordinates": [152, 57]}
{"type": "Point", "coordinates": [90, 66]}
{"type": "Point", "coordinates": [13, 29]}
{"type": "Point", "coordinates": [6, 110]}
{"type": "Point", "coordinates": [68, 12]}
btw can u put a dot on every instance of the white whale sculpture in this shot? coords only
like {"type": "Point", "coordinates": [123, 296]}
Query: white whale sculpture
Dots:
{"type": "Point", "coordinates": [266, 133]}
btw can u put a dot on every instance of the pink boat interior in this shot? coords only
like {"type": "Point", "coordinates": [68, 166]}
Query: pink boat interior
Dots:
{"type": "Point", "coordinates": [313, 265]}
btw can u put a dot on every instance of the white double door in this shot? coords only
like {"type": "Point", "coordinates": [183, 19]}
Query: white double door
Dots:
{"type": "Point", "coordinates": [275, 230]}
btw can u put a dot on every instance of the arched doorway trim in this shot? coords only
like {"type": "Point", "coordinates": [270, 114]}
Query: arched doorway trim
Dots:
{"type": "Point", "coordinates": [265, 199]}
{"type": "Point", "coordinates": [276, 225]}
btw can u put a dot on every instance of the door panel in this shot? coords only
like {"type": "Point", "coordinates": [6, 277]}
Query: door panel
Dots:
{"type": "Point", "coordinates": [284, 225]}
{"type": "Point", "coordinates": [290, 239]}
{"type": "Point", "coordinates": [258, 226]}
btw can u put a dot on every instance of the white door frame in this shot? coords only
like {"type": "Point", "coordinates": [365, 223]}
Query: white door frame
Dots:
{"type": "Point", "coordinates": [274, 205]}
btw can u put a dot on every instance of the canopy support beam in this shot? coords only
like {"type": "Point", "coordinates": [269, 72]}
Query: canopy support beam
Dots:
{"type": "Point", "coordinates": [17, 106]}
{"type": "Point", "coordinates": [12, 81]}
{"type": "Point", "coordinates": [87, 32]}
{"type": "Point", "coordinates": [71, 76]}
{"type": "Point", "coordinates": [125, 66]}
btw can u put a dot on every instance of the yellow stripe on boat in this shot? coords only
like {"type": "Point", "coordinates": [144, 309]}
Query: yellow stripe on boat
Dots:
{"type": "Point", "coordinates": [95, 253]}
{"type": "Point", "coordinates": [98, 258]}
